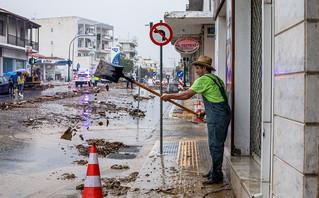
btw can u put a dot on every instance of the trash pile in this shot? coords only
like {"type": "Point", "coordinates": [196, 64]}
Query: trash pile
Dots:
{"type": "Point", "coordinates": [103, 147]}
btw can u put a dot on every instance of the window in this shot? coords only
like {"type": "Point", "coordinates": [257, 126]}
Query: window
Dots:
{"type": "Point", "coordinates": [211, 32]}
{"type": "Point", "coordinates": [22, 35]}
{"type": "Point", "coordinates": [20, 64]}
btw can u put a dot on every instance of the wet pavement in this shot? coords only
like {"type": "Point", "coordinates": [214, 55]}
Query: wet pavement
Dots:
{"type": "Point", "coordinates": [36, 162]}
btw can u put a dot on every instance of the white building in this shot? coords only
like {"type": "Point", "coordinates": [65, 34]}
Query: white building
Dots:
{"type": "Point", "coordinates": [129, 50]}
{"type": "Point", "coordinates": [17, 33]}
{"type": "Point", "coordinates": [75, 38]}
{"type": "Point", "coordinates": [147, 63]}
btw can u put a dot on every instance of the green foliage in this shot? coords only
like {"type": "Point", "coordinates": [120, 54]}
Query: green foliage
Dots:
{"type": "Point", "coordinates": [146, 72]}
{"type": "Point", "coordinates": [127, 64]}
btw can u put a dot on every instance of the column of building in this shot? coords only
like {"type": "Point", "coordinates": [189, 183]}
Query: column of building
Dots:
{"type": "Point", "coordinates": [296, 85]}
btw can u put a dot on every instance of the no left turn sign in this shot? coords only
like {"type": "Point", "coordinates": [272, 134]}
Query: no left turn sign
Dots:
{"type": "Point", "coordinates": [161, 34]}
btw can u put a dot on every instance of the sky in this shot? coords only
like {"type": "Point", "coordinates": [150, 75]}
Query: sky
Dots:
{"type": "Point", "coordinates": [128, 17]}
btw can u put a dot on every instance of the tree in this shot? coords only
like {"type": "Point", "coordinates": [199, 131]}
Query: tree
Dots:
{"type": "Point", "coordinates": [145, 72]}
{"type": "Point", "coordinates": [126, 63]}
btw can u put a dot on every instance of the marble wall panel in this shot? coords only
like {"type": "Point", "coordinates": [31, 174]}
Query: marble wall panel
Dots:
{"type": "Point", "coordinates": [289, 142]}
{"type": "Point", "coordinates": [312, 98]}
{"type": "Point", "coordinates": [290, 50]}
{"type": "Point", "coordinates": [310, 188]}
{"type": "Point", "coordinates": [311, 149]}
{"type": "Point", "coordinates": [288, 13]}
{"type": "Point", "coordinates": [312, 9]}
{"type": "Point", "coordinates": [312, 48]}
{"type": "Point", "coordinates": [289, 99]}
{"type": "Point", "coordinates": [287, 181]}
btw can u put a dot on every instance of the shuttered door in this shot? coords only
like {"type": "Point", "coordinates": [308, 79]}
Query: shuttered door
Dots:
{"type": "Point", "coordinates": [256, 77]}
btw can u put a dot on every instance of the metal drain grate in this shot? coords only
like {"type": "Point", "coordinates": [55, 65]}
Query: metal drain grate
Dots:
{"type": "Point", "coordinates": [169, 148]}
{"type": "Point", "coordinates": [125, 153]}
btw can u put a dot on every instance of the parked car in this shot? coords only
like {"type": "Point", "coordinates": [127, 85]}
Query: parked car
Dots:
{"type": "Point", "coordinates": [83, 78]}
{"type": "Point", "coordinates": [4, 85]}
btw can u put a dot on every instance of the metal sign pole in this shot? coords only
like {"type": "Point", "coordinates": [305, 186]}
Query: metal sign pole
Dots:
{"type": "Point", "coordinates": [161, 101]}
{"type": "Point", "coordinates": [164, 36]}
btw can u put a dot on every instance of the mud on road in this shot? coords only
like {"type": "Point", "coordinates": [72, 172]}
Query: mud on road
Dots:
{"type": "Point", "coordinates": [60, 128]}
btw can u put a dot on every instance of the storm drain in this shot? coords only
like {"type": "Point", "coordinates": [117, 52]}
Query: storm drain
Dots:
{"type": "Point", "coordinates": [169, 148]}
{"type": "Point", "coordinates": [188, 154]}
{"type": "Point", "coordinates": [125, 153]}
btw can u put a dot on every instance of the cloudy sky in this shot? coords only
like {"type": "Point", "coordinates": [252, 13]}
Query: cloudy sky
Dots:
{"type": "Point", "coordinates": [128, 17]}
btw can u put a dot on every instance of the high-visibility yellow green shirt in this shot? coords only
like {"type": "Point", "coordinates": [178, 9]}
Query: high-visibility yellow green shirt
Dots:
{"type": "Point", "coordinates": [205, 86]}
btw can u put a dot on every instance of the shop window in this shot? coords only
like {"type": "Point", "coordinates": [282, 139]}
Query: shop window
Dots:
{"type": "Point", "coordinates": [20, 64]}
{"type": "Point", "coordinates": [7, 65]}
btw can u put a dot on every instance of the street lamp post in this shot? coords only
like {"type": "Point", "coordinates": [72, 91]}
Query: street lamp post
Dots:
{"type": "Point", "coordinates": [69, 60]}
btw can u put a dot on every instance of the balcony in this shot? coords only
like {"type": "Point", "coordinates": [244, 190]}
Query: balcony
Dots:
{"type": "Point", "coordinates": [22, 42]}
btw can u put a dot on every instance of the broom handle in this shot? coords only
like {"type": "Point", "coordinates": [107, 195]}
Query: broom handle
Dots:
{"type": "Point", "coordinates": [159, 95]}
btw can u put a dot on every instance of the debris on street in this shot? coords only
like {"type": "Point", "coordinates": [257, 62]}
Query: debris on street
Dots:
{"type": "Point", "coordinates": [115, 186]}
{"type": "Point", "coordinates": [80, 162]}
{"type": "Point", "coordinates": [103, 147]}
{"type": "Point", "coordinates": [120, 167]}
{"type": "Point", "coordinates": [137, 112]}
{"type": "Point", "coordinates": [68, 176]}
{"type": "Point", "coordinates": [67, 135]}
{"type": "Point", "coordinates": [57, 96]}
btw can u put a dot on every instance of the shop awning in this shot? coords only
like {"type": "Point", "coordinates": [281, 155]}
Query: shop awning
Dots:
{"type": "Point", "coordinates": [51, 62]}
{"type": "Point", "coordinates": [187, 23]}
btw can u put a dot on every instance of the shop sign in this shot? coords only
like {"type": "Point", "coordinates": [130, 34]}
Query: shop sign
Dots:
{"type": "Point", "coordinates": [186, 45]}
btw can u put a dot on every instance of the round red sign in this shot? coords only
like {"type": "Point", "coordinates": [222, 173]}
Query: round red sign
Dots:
{"type": "Point", "coordinates": [161, 34]}
{"type": "Point", "coordinates": [186, 45]}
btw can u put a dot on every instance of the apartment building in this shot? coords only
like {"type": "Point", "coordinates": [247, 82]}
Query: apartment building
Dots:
{"type": "Point", "coordinates": [129, 50]}
{"type": "Point", "coordinates": [85, 42]}
{"type": "Point", "coordinates": [18, 36]}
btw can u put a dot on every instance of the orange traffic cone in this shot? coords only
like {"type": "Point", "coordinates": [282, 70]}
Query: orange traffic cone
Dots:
{"type": "Point", "coordinates": [87, 84]}
{"type": "Point", "coordinates": [69, 84]}
{"type": "Point", "coordinates": [199, 110]}
{"type": "Point", "coordinates": [92, 184]}
{"type": "Point", "coordinates": [49, 84]}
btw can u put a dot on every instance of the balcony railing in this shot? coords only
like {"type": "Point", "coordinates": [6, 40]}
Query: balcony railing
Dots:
{"type": "Point", "coordinates": [22, 42]}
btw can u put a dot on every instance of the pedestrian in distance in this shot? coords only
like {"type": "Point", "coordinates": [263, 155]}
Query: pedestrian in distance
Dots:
{"type": "Point", "coordinates": [15, 83]}
{"type": "Point", "coordinates": [20, 84]}
{"type": "Point", "coordinates": [11, 85]}
{"type": "Point", "coordinates": [128, 82]}
{"type": "Point", "coordinates": [217, 111]}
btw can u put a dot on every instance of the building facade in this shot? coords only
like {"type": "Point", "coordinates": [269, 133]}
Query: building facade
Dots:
{"type": "Point", "coordinates": [267, 54]}
{"type": "Point", "coordinates": [196, 22]}
{"type": "Point", "coordinates": [81, 40]}
{"type": "Point", "coordinates": [129, 49]}
{"type": "Point", "coordinates": [18, 36]}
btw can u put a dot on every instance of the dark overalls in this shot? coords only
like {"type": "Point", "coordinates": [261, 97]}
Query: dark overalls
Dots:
{"type": "Point", "coordinates": [218, 116]}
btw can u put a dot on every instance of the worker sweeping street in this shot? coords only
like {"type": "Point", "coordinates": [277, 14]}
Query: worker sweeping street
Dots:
{"type": "Point", "coordinates": [217, 112]}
